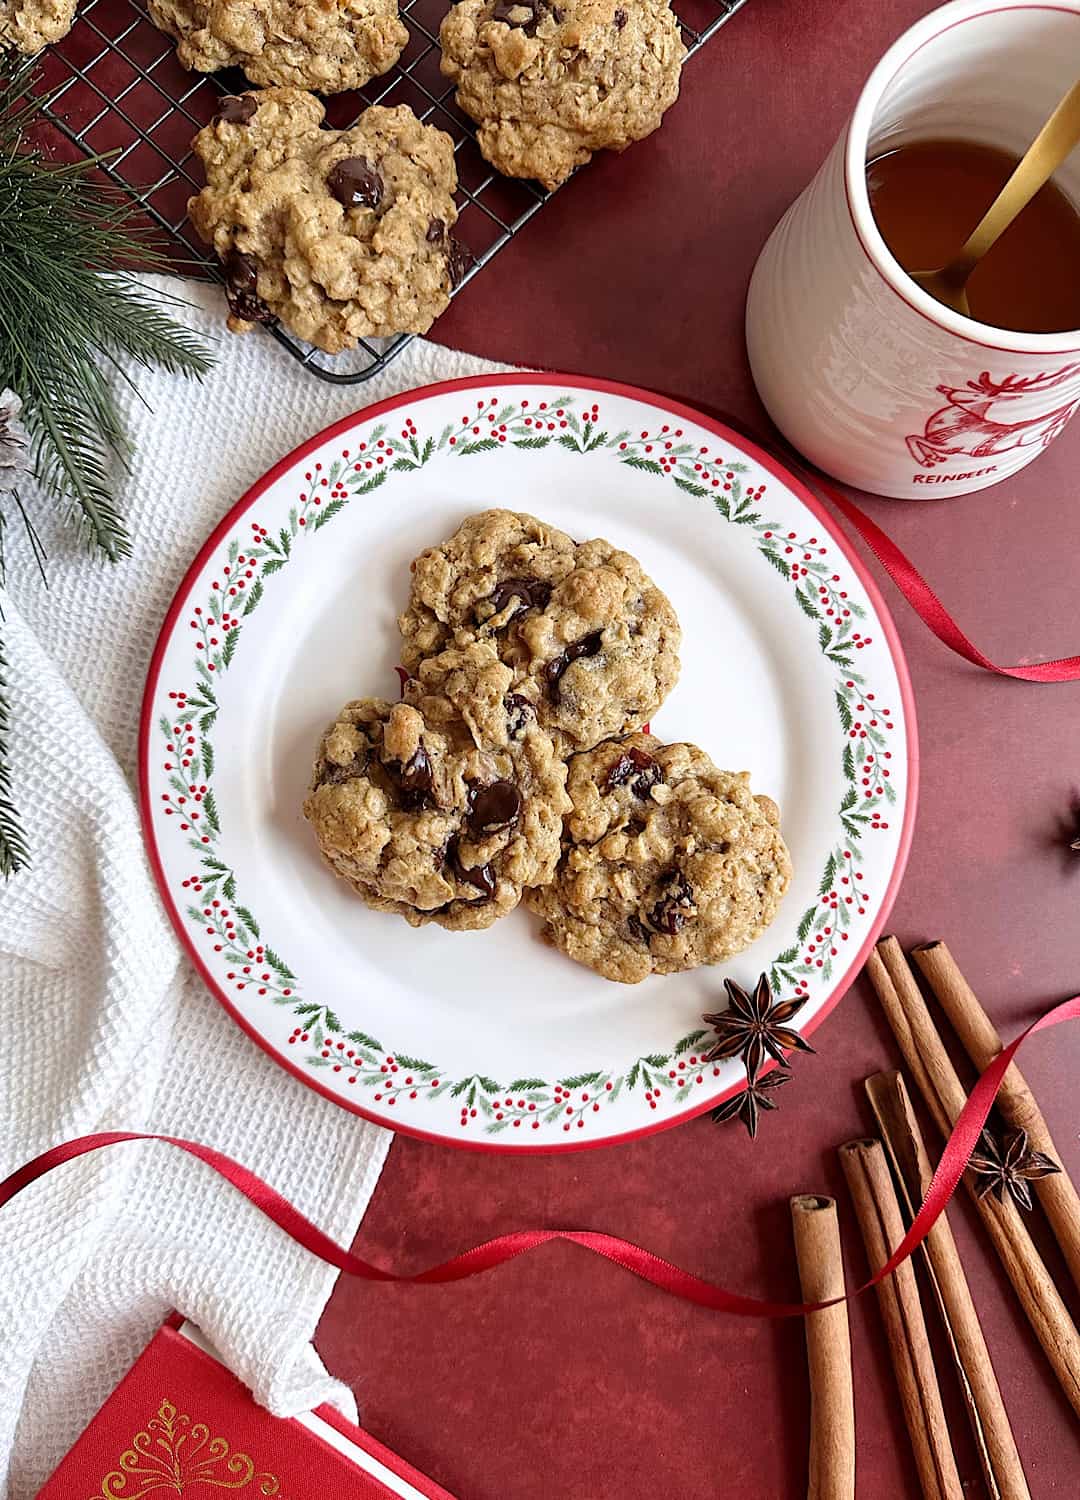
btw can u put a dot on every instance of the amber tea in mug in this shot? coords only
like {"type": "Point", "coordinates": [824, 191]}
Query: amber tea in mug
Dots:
{"type": "Point", "coordinates": [927, 197]}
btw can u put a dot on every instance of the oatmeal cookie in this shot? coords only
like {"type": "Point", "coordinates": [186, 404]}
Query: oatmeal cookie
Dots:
{"type": "Point", "coordinates": [592, 641]}
{"type": "Point", "coordinates": [29, 25]}
{"type": "Point", "coordinates": [443, 807]}
{"type": "Point", "coordinates": [340, 234]}
{"type": "Point", "coordinates": [328, 47]}
{"type": "Point", "coordinates": [667, 862]}
{"type": "Point", "coordinates": [549, 84]}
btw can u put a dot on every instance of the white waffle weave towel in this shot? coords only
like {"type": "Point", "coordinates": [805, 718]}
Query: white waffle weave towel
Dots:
{"type": "Point", "coordinates": [103, 1022]}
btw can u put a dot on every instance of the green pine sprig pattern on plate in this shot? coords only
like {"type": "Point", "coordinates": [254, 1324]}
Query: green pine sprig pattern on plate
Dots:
{"type": "Point", "coordinates": [245, 575]}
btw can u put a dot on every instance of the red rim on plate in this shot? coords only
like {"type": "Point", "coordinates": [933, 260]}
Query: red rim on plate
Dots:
{"type": "Point", "coordinates": [494, 383]}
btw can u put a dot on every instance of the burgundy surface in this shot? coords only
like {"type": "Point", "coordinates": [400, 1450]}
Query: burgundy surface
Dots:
{"type": "Point", "coordinates": [558, 1375]}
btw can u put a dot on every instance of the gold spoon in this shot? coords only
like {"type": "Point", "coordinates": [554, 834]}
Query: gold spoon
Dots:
{"type": "Point", "coordinates": [1039, 163]}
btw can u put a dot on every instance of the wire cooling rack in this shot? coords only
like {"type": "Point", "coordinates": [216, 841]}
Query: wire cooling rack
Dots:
{"type": "Point", "coordinates": [119, 89]}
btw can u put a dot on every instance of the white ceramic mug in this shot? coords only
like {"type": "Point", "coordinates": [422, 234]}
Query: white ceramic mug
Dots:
{"type": "Point", "coordinates": [864, 372]}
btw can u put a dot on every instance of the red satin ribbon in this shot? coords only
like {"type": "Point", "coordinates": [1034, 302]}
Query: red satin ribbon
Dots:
{"type": "Point", "coordinates": [929, 607]}
{"type": "Point", "coordinates": [643, 1263]}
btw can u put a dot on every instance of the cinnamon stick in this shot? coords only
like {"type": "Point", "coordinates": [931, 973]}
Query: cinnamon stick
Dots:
{"type": "Point", "coordinates": [904, 1143]}
{"type": "Point", "coordinates": [867, 1174]}
{"type": "Point", "coordinates": [828, 1349]}
{"type": "Point", "coordinates": [978, 1035]}
{"type": "Point", "coordinates": [937, 1079]}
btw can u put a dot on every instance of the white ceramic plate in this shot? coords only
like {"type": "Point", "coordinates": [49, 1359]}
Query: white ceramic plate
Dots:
{"type": "Point", "coordinates": [791, 669]}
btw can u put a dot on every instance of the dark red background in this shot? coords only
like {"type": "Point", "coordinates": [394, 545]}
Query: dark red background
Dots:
{"type": "Point", "coordinates": [558, 1374]}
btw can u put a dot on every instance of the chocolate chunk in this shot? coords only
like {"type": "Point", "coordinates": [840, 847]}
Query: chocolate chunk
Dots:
{"type": "Point", "coordinates": [518, 713]}
{"type": "Point", "coordinates": [480, 876]}
{"type": "Point", "coordinates": [241, 280]}
{"type": "Point", "coordinates": [436, 232]}
{"type": "Point", "coordinates": [531, 593]}
{"type": "Point", "coordinates": [620, 19]}
{"type": "Point", "coordinates": [588, 646]}
{"type": "Point", "coordinates": [355, 183]}
{"type": "Point", "coordinates": [413, 780]}
{"type": "Point", "coordinates": [333, 774]}
{"type": "Point", "coordinates": [458, 260]}
{"type": "Point", "coordinates": [495, 806]}
{"type": "Point", "coordinates": [236, 109]}
{"type": "Point", "coordinates": [636, 768]}
{"type": "Point", "coordinates": [675, 904]}
{"type": "Point", "coordinates": [560, 15]}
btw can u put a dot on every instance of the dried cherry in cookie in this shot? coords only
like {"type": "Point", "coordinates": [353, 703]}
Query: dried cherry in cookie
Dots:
{"type": "Point", "coordinates": [698, 884]}
{"type": "Point", "coordinates": [638, 770]}
{"type": "Point", "coordinates": [675, 905]}
{"type": "Point", "coordinates": [519, 713]}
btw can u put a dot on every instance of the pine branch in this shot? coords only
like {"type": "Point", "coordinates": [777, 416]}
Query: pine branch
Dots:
{"type": "Point", "coordinates": [69, 310]}
{"type": "Point", "coordinates": [71, 319]}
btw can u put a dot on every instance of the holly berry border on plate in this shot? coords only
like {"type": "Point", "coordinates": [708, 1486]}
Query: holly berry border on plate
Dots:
{"type": "Point", "coordinates": [177, 756]}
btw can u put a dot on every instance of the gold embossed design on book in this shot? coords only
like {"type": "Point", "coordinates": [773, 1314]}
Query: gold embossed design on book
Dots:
{"type": "Point", "coordinates": [175, 1455]}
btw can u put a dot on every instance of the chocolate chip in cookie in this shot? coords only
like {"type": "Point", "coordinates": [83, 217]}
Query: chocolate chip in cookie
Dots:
{"type": "Point", "coordinates": [530, 593]}
{"type": "Point", "coordinates": [459, 258]}
{"type": "Point", "coordinates": [356, 183]}
{"type": "Point", "coordinates": [436, 232]}
{"type": "Point", "coordinates": [413, 780]}
{"type": "Point", "coordinates": [494, 806]}
{"type": "Point", "coordinates": [236, 109]}
{"type": "Point", "coordinates": [241, 281]}
{"type": "Point", "coordinates": [481, 876]}
{"type": "Point", "coordinates": [590, 645]}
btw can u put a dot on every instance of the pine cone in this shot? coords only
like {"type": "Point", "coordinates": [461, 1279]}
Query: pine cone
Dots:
{"type": "Point", "coordinates": [14, 446]}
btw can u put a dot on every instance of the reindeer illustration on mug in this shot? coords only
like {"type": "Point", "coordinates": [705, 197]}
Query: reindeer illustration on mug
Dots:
{"type": "Point", "coordinates": [987, 417]}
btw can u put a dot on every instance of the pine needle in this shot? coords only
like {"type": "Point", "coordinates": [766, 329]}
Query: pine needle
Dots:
{"type": "Point", "coordinates": [71, 316]}
{"type": "Point", "coordinates": [14, 851]}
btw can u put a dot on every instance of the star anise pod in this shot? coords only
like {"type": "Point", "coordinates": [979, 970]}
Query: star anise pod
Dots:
{"type": "Point", "coordinates": [755, 1097]}
{"type": "Point", "coordinates": [753, 1027]}
{"type": "Point", "coordinates": [1011, 1168]}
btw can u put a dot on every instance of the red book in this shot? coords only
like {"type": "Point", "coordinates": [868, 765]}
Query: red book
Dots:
{"type": "Point", "coordinates": [180, 1424]}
